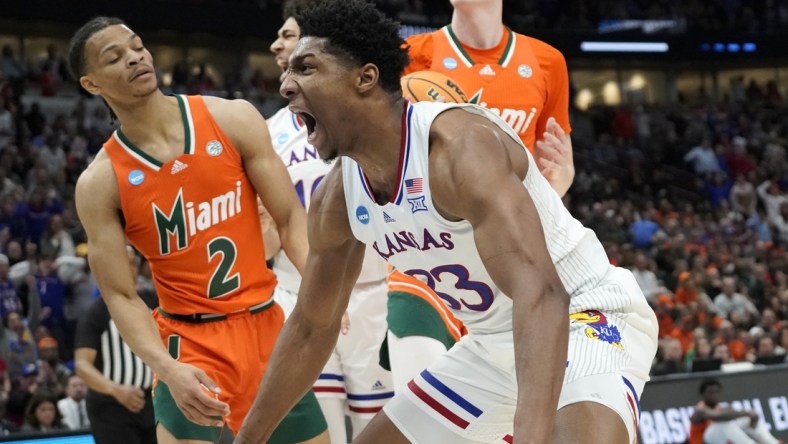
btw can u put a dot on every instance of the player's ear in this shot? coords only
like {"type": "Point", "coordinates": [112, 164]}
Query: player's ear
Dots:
{"type": "Point", "coordinates": [89, 86]}
{"type": "Point", "coordinates": [368, 77]}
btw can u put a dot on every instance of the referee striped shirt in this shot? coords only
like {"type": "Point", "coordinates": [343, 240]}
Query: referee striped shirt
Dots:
{"type": "Point", "coordinates": [114, 358]}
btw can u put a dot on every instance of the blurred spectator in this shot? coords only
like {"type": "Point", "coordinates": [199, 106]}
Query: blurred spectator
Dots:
{"type": "Point", "coordinates": [41, 415]}
{"type": "Point", "coordinates": [51, 365]}
{"type": "Point", "coordinates": [646, 231]}
{"type": "Point", "coordinates": [7, 124]}
{"type": "Point", "coordinates": [72, 408]}
{"type": "Point", "coordinates": [24, 387]}
{"type": "Point", "coordinates": [736, 349]}
{"type": "Point", "coordinates": [765, 351]}
{"type": "Point", "coordinates": [730, 301]}
{"type": "Point", "coordinates": [703, 158]}
{"type": "Point", "coordinates": [671, 359]}
{"type": "Point", "coordinates": [56, 241]}
{"type": "Point", "coordinates": [13, 70]}
{"type": "Point", "coordinates": [646, 278]}
{"type": "Point", "coordinates": [52, 291]}
{"type": "Point", "coordinates": [20, 349]}
{"type": "Point", "coordinates": [52, 71]}
{"type": "Point", "coordinates": [9, 298]}
{"type": "Point", "coordinates": [743, 197]}
{"type": "Point", "coordinates": [772, 197]}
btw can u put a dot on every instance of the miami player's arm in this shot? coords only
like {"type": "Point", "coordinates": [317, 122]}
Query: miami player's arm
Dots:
{"type": "Point", "coordinates": [554, 146]}
{"type": "Point", "coordinates": [98, 203]}
{"type": "Point", "coordinates": [311, 331]}
{"type": "Point", "coordinates": [247, 129]}
{"type": "Point", "coordinates": [476, 173]}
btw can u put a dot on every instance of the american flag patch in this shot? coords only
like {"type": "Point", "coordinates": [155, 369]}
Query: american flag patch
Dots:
{"type": "Point", "coordinates": [414, 186]}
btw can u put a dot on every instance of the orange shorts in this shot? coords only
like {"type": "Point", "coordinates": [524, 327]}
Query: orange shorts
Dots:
{"type": "Point", "coordinates": [233, 352]}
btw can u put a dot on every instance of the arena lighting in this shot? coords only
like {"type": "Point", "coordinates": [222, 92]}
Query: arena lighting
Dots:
{"type": "Point", "coordinates": [624, 47]}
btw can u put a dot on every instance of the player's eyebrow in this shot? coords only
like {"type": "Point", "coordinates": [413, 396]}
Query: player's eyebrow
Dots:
{"type": "Point", "coordinates": [114, 45]}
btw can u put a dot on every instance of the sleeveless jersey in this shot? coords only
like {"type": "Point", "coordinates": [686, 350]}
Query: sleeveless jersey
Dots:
{"type": "Point", "coordinates": [408, 233]}
{"type": "Point", "coordinates": [306, 170]}
{"type": "Point", "coordinates": [523, 80]}
{"type": "Point", "coordinates": [194, 218]}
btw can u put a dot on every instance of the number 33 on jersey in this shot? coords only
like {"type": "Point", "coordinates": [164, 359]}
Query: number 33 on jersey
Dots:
{"type": "Point", "coordinates": [194, 218]}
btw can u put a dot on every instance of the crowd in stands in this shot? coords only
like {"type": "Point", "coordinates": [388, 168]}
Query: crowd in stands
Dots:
{"type": "Point", "coordinates": [691, 196]}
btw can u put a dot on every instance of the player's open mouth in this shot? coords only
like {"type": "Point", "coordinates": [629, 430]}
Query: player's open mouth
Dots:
{"type": "Point", "coordinates": [309, 121]}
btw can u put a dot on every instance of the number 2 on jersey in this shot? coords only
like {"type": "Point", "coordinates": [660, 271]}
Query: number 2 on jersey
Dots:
{"type": "Point", "coordinates": [221, 284]}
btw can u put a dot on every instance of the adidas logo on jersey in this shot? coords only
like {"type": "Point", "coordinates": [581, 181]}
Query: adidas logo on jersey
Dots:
{"type": "Point", "coordinates": [378, 386]}
{"type": "Point", "coordinates": [177, 167]}
{"type": "Point", "coordinates": [487, 71]}
{"type": "Point", "coordinates": [387, 219]}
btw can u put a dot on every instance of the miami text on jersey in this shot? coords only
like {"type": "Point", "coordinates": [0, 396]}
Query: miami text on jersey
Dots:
{"type": "Point", "coordinates": [518, 119]}
{"type": "Point", "coordinates": [193, 217]}
{"type": "Point", "coordinates": [399, 242]}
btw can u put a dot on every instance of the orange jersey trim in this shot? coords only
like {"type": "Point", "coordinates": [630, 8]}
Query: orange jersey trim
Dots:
{"type": "Point", "coordinates": [407, 284]}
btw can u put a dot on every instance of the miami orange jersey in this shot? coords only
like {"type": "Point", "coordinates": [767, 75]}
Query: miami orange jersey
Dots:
{"type": "Point", "coordinates": [194, 218]}
{"type": "Point", "coordinates": [522, 79]}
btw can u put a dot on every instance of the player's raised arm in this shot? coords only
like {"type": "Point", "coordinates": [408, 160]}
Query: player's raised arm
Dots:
{"type": "Point", "coordinates": [311, 331]}
{"type": "Point", "coordinates": [469, 157]}
{"type": "Point", "coordinates": [97, 201]}
{"type": "Point", "coordinates": [249, 132]}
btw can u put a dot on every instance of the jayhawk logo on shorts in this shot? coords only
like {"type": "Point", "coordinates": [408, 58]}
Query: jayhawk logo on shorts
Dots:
{"type": "Point", "coordinates": [597, 327]}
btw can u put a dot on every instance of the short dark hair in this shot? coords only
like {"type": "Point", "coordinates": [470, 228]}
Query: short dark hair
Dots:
{"type": "Point", "coordinates": [291, 8]}
{"type": "Point", "coordinates": [709, 383]}
{"type": "Point", "coordinates": [358, 32]}
{"type": "Point", "coordinates": [76, 49]}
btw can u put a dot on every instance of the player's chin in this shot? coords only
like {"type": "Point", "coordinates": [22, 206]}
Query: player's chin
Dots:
{"type": "Point", "coordinates": [327, 154]}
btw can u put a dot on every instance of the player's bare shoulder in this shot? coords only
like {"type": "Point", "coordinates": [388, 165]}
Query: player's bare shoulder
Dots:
{"type": "Point", "coordinates": [98, 182]}
{"type": "Point", "coordinates": [97, 196]}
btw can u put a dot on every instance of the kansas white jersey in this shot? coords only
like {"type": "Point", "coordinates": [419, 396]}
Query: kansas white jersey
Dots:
{"type": "Point", "coordinates": [407, 232]}
{"type": "Point", "coordinates": [306, 170]}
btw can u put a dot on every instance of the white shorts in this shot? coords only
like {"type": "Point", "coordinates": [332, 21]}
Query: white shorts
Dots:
{"type": "Point", "coordinates": [353, 371]}
{"type": "Point", "coordinates": [469, 395]}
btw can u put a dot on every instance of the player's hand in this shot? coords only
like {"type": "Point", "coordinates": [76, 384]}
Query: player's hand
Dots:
{"type": "Point", "coordinates": [130, 397]}
{"type": "Point", "coordinates": [554, 156]}
{"type": "Point", "coordinates": [345, 325]}
{"type": "Point", "coordinates": [196, 395]}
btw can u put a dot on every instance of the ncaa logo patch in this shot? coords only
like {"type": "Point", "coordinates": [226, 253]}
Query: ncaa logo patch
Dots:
{"type": "Point", "coordinates": [136, 177]}
{"type": "Point", "coordinates": [214, 148]}
{"type": "Point", "coordinates": [450, 63]}
{"type": "Point", "coordinates": [525, 71]}
{"type": "Point", "coordinates": [282, 138]}
{"type": "Point", "coordinates": [362, 214]}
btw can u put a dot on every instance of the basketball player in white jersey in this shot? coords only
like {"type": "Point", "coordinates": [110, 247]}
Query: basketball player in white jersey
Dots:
{"type": "Point", "coordinates": [560, 342]}
{"type": "Point", "coordinates": [352, 380]}
{"type": "Point", "coordinates": [475, 37]}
